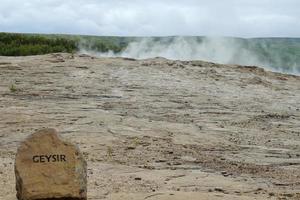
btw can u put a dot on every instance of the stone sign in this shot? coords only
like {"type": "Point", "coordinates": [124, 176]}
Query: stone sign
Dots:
{"type": "Point", "coordinates": [49, 168]}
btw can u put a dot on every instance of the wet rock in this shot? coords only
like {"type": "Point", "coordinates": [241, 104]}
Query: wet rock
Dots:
{"type": "Point", "coordinates": [47, 167]}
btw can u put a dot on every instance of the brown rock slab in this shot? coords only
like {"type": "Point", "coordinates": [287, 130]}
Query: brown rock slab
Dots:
{"type": "Point", "coordinates": [48, 168]}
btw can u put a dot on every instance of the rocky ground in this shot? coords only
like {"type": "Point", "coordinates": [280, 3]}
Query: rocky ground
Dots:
{"type": "Point", "coordinates": [158, 129]}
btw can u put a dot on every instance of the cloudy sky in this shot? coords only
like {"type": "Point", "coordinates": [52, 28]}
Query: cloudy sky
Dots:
{"type": "Point", "coordinates": [244, 18]}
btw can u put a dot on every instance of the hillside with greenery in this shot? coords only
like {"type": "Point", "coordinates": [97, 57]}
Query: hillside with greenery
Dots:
{"type": "Point", "coordinates": [282, 54]}
{"type": "Point", "coordinates": [15, 44]}
{"type": "Point", "coordinates": [24, 45]}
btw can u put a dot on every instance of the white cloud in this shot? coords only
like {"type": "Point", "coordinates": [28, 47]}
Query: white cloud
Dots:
{"type": "Point", "coordinates": [246, 18]}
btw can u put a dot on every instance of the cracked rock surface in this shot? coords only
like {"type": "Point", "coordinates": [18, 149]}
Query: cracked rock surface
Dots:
{"type": "Point", "coordinates": [156, 128]}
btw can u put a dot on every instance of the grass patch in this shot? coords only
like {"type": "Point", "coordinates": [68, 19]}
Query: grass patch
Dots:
{"type": "Point", "coordinates": [13, 88]}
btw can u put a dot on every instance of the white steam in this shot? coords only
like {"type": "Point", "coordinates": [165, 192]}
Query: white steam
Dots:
{"type": "Point", "coordinates": [219, 50]}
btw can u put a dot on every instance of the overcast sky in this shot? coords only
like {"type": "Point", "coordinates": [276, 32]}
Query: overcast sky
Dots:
{"type": "Point", "coordinates": [244, 18]}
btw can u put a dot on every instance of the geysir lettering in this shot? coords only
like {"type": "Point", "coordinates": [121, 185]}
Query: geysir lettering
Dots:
{"type": "Point", "coordinates": [49, 158]}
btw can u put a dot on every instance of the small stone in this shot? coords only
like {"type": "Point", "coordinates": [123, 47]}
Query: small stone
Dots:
{"type": "Point", "coordinates": [161, 160]}
{"type": "Point", "coordinates": [217, 189]}
{"type": "Point", "coordinates": [47, 167]}
{"type": "Point", "coordinates": [224, 173]}
{"type": "Point", "coordinates": [177, 163]}
{"type": "Point", "coordinates": [130, 148]}
{"type": "Point", "coordinates": [271, 194]}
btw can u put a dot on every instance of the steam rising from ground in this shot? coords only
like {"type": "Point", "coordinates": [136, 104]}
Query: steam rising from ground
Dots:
{"type": "Point", "coordinates": [219, 50]}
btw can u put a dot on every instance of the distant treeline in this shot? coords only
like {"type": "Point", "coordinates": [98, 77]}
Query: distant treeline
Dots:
{"type": "Point", "coordinates": [12, 44]}
{"type": "Point", "coordinates": [15, 44]}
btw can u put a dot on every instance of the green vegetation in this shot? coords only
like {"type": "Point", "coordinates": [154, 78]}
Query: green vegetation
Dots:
{"type": "Point", "coordinates": [13, 88]}
{"type": "Point", "coordinates": [15, 44]}
{"type": "Point", "coordinates": [24, 45]}
{"type": "Point", "coordinates": [102, 43]}
{"type": "Point", "coordinates": [109, 151]}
